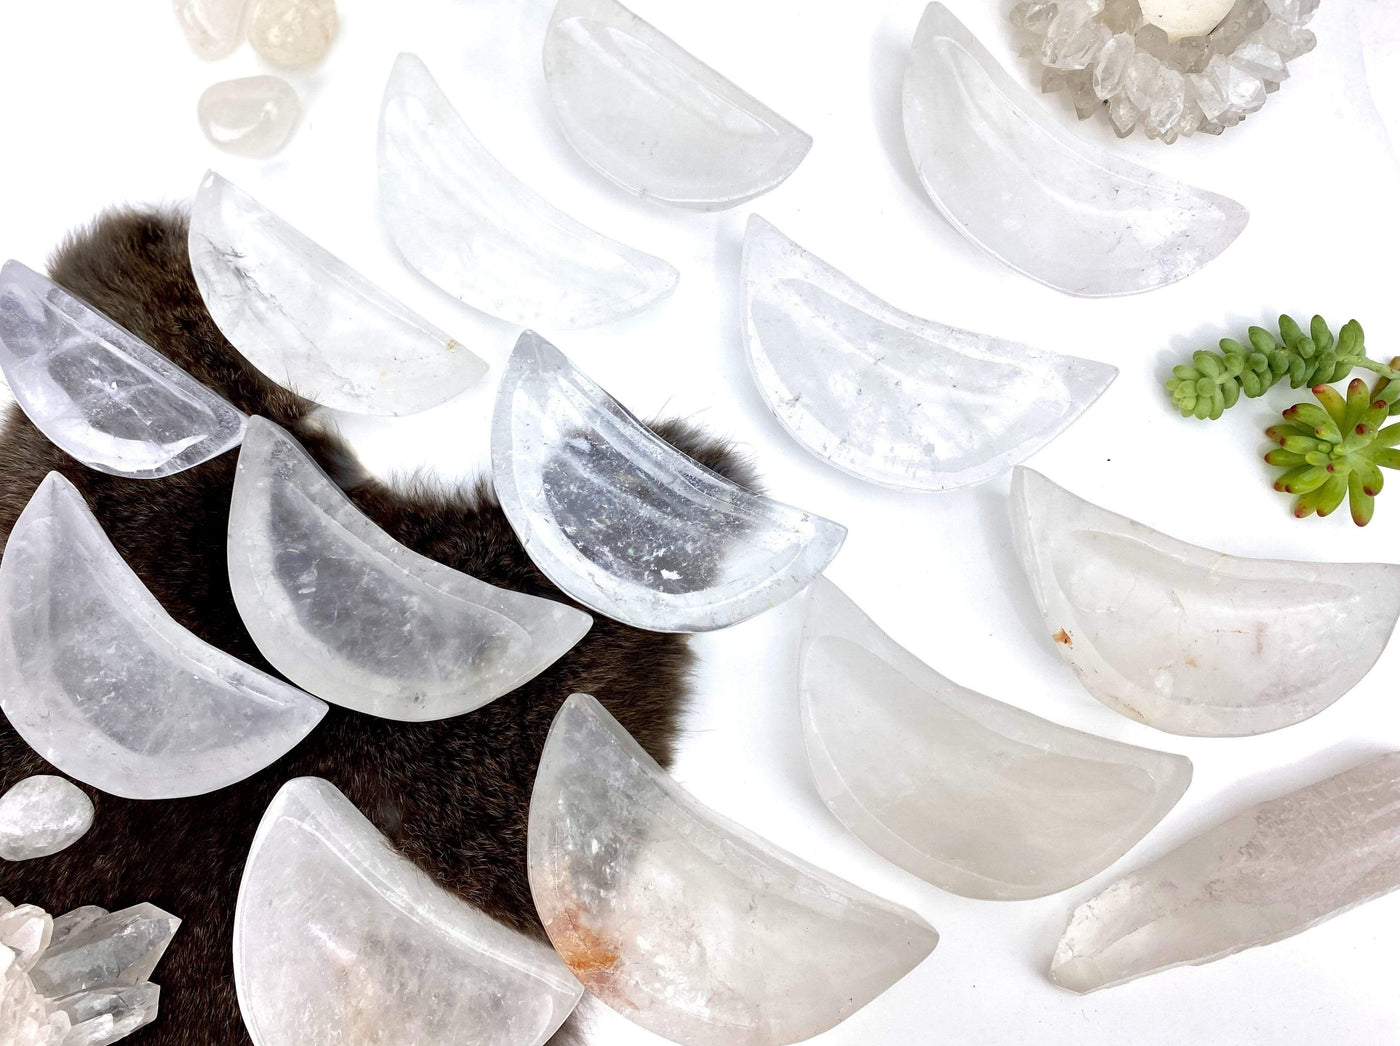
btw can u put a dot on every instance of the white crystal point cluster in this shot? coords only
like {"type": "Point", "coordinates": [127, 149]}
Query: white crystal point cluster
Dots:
{"type": "Point", "coordinates": [100, 393]}
{"type": "Point", "coordinates": [292, 33]}
{"type": "Point", "coordinates": [889, 397]}
{"type": "Point", "coordinates": [1274, 870]}
{"type": "Point", "coordinates": [339, 940]}
{"type": "Point", "coordinates": [972, 795]}
{"type": "Point", "coordinates": [686, 923]}
{"type": "Point", "coordinates": [342, 609]}
{"type": "Point", "coordinates": [310, 322]}
{"type": "Point", "coordinates": [251, 116]}
{"type": "Point", "coordinates": [80, 979]}
{"type": "Point", "coordinates": [107, 686]}
{"type": "Point", "coordinates": [628, 525]}
{"type": "Point", "coordinates": [656, 120]}
{"type": "Point", "coordinates": [41, 816]}
{"type": "Point", "coordinates": [214, 28]}
{"type": "Point", "coordinates": [1171, 67]}
{"type": "Point", "coordinates": [1015, 182]}
{"type": "Point", "coordinates": [1190, 640]}
{"type": "Point", "coordinates": [471, 227]}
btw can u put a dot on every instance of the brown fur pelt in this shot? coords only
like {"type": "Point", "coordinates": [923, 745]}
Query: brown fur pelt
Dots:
{"type": "Point", "coordinates": [451, 795]}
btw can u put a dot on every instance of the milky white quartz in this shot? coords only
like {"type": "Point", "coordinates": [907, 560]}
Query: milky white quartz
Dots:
{"type": "Point", "coordinates": [251, 116]}
{"type": "Point", "coordinates": [107, 686]}
{"type": "Point", "coordinates": [1194, 641]}
{"type": "Point", "coordinates": [973, 795]}
{"type": "Point", "coordinates": [342, 609]}
{"type": "Point", "coordinates": [628, 525]}
{"type": "Point", "coordinates": [100, 393]}
{"type": "Point", "coordinates": [889, 397]}
{"type": "Point", "coordinates": [310, 322]}
{"type": "Point", "coordinates": [339, 940]}
{"type": "Point", "coordinates": [1014, 181]}
{"type": "Point", "coordinates": [655, 119]}
{"type": "Point", "coordinates": [1269, 872]}
{"type": "Point", "coordinates": [292, 33]}
{"type": "Point", "coordinates": [694, 927]}
{"type": "Point", "coordinates": [214, 28]}
{"type": "Point", "coordinates": [474, 229]}
{"type": "Point", "coordinates": [41, 816]}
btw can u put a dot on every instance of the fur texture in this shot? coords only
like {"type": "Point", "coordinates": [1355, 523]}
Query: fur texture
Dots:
{"type": "Point", "coordinates": [452, 795]}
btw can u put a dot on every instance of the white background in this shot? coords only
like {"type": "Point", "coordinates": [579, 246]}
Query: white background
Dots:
{"type": "Point", "coordinates": [99, 110]}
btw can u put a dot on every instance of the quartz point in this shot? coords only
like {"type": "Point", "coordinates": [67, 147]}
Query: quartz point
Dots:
{"type": "Point", "coordinates": [654, 119]}
{"type": "Point", "coordinates": [1270, 872]}
{"type": "Point", "coordinates": [628, 525]}
{"type": "Point", "coordinates": [970, 794]}
{"type": "Point", "coordinates": [345, 611]}
{"type": "Point", "coordinates": [107, 686]}
{"type": "Point", "coordinates": [1071, 215]}
{"type": "Point", "coordinates": [120, 949]}
{"type": "Point", "coordinates": [41, 816]}
{"type": "Point", "coordinates": [339, 939]}
{"type": "Point", "coordinates": [310, 322]}
{"type": "Point", "coordinates": [687, 923]}
{"type": "Point", "coordinates": [251, 116]}
{"type": "Point", "coordinates": [214, 28]}
{"type": "Point", "coordinates": [475, 230]}
{"type": "Point", "coordinates": [100, 393]}
{"type": "Point", "coordinates": [889, 397]}
{"type": "Point", "coordinates": [1189, 640]}
{"type": "Point", "coordinates": [292, 33]}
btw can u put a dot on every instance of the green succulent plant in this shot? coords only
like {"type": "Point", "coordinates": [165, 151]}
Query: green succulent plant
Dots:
{"type": "Point", "coordinates": [1213, 382]}
{"type": "Point", "coordinates": [1334, 449]}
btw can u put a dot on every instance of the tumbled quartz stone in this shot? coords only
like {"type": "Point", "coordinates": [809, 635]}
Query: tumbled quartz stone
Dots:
{"type": "Point", "coordinates": [252, 116]}
{"type": "Point", "coordinates": [117, 950]}
{"type": "Point", "coordinates": [214, 28]}
{"type": "Point", "coordinates": [42, 815]}
{"type": "Point", "coordinates": [1272, 871]}
{"type": "Point", "coordinates": [292, 33]}
{"type": "Point", "coordinates": [686, 923]}
{"type": "Point", "coordinates": [1113, 63]}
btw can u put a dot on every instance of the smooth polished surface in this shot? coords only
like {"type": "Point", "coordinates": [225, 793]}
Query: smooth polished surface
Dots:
{"type": "Point", "coordinates": [889, 397]}
{"type": "Point", "coordinates": [310, 322]}
{"type": "Point", "coordinates": [686, 923]}
{"type": "Point", "coordinates": [107, 686]}
{"type": "Point", "coordinates": [1044, 201]}
{"type": "Point", "coordinates": [628, 525]}
{"type": "Point", "coordinates": [100, 393]}
{"type": "Point", "coordinates": [656, 120]}
{"type": "Point", "coordinates": [1190, 640]}
{"type": "Point", "coordinates": [42, 815]}
{"type": "Point", "coordinates": [1267, 873]}
{"type": "Point", "coordinates": [339, 939]}
{"type": "Point", "coordinates": [251, 116]}
{"type": "Point", "coordinates": [341, 608]}
{"type": "Point", "coordinates": [971, 794]}
{"type": "Point", "coordinates": [482, 235]}
{"type": "Point", "coordinates": [292, 33]}
{"type": "Point", "coordinates": [214, 28]}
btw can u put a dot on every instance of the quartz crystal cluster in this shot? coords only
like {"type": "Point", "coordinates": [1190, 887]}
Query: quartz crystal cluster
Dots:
{"type": "Point", "coordinates": [1105, 53]}
{"type": "Point", "coordinates": [80, 979]}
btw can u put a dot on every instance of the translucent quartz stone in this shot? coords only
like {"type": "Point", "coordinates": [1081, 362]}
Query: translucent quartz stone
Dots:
{"type": "Point", "coordinates": [338, 939]}
{"type": "Point", "coordinates": [1152, 40]}
{"type": "Point", "coordinates": [1080, 87]}
{"type": "Point", "coordinates": [214, 28]}
{"type": "Point", "coordinates": [1140, 80]}
{"type": "Point", "coordinates": [1241, 89]}
{"type": "Point", "coordinates": [252, 116]}
{"type": "Point", "coordinates": [1243, 19]}
{"type": "Point", "coordinates": [1189, 640]}
{"type": "Point", "coordinates": [656, 120]}
{"type": "Point", "coordinates": [342, 609]}
{"type": "Point", "coordinates": [1122, 16]}
{"type": "Point", "coordinates": [105, 685]}
{"type": "Point", "coordinates": [100, 393]}
{"type": "Point", "coordinates": [1289, 41]}
{"type": "Point", "coordinates": [1169, 100]}
{"type": "Point", "coordinates": [292, 33]}
{"type": "Point", "coordinates": [628, 525]}
{"type": "Point", "coordinates": [889, 397]}
{"type": "Point", "coordinates": [121, 949]}
{"type": "Point", "coordinates": [1207, 95]}
{"type": "Point", "coordinates": [26, 932]}
{"type": "Point", "coordinates": [1035, 16]}
{"type": "Point", "coordinates": [42, 815]}
{"type": "Point", "coordinates": [467, 224]}
{"type": "Point", "coordinates": [26, 1017]}
{"type": "Point", "coordinates": [1075, 37]}
{"type": "Point", "coordinates": [1256, 58]}
{"type": "Point", "coordinates": [1269, 872]}
{"type": "Point", "coordinates": [1190, 54]}
{"type": "Point", "coordinates": [1179, 18]}
{"type": "Point", "coordinates": [693, 927]}
{"type": "Point", "coordinates": [310, 322]}
{"type": "Point", "coordinates": [1124, 114]}
{"type": "Point", "coordinates": [972, 795]}
{"type": "Point", "coordinates": [1068, 214]}
{"type": "Point", "coordinates": [1293, 12]}
{"type": "Point", "coordinates": [106, 1015]}
{"type": "Point", "coordinates": [1112, 64]}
